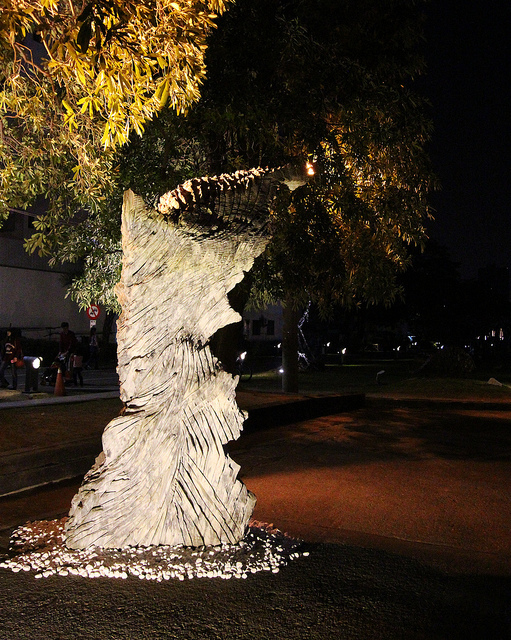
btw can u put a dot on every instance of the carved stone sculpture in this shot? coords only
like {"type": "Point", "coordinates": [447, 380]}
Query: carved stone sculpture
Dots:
{"type": "Point", "coordinates": [163, 476]}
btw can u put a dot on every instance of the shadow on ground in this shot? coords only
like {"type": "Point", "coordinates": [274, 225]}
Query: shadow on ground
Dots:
{"type": "Point", "coordinates": [336, 592]}
{"type": "Point", "coordinates": [385, 434]}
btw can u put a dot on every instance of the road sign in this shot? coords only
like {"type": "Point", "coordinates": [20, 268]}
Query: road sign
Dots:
{"type": "Point", "coordinates": [93, 312]}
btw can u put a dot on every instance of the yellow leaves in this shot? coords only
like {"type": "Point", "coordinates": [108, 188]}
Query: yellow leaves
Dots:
{"type": "Point", "coordinates": [162, 92]}
{"type": "Point", "coordinates": [49, 4]}
{"type": "Point", "coordinates": [118, 62]}
{"type": "Point", "coordinates": [37, 242]}
{"type": "Point", "coordinates": [80, 74]}
{"type": "Point", "coordinates": [69, 118]}
{"type": "Point", "coordinates": [109, 83]}
{"type": "Point", "coordinates": [218, 6]}
{"type": "Point", "coordinates": [90, 104]}
{"type": "Point", "coordinates": [139, 128]}
{"type": "Point", "coordinates": [106, 136]}
{"type": "Point", "coordinates": [71, 51]}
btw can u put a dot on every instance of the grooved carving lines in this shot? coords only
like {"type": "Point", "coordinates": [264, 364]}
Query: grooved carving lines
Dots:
{"type": "Point", "coordinates": [163, 476]}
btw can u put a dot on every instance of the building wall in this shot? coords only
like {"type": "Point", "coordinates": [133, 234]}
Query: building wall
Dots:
{"type": "Point", "coordinates": [35, 301]}
{"type": "Point", "coordinates": [32, 294]}
{"type": "Point", "coordinates": [263, 325]}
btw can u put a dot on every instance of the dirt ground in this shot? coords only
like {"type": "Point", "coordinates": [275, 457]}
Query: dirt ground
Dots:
{"type": "Point", "coordinates": [432, 484]}
{"type": "Point", "coordinates": [405, 510]}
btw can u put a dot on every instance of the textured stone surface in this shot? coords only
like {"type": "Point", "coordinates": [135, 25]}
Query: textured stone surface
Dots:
{"type": "Point", "coordinates": [163, 476]}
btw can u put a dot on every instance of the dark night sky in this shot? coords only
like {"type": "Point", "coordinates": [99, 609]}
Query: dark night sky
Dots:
{"type": "Point", "coordinates": [468, 82]}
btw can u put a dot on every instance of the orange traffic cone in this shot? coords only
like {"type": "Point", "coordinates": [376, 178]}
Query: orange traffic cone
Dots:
{"type": "Point", "coordinates": [60, 387]}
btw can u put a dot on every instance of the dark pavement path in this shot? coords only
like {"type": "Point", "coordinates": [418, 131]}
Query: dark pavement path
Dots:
{"type": "Point", "coordinates": [406, 511]}
{"type": "Point", "coordinates": [337, 593]}
{"type": "Point", "coordinates": [431, 484]}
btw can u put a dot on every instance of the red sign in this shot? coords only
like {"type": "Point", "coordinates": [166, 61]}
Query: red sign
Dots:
{"type": "Point", "coordinates": [93, 312]}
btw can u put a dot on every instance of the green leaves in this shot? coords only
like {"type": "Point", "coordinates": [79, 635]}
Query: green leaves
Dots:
{"type": "Point", "coordinates": [128, 58]}
{"type": "Point", "coordinates": [328, 80]}
{"type": "Point", "coordinates": [96, 72]}
{"type": "Point", "coordinates": [287, 81]}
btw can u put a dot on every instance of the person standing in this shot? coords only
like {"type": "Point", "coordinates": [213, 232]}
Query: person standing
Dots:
{"type": "Point", "coordinates": [67, 346]}
{"type": "Point", "coordinates": [77, 362]}
{"type": "Point", "coordinates": [11, 355]}
{"type": "Point", "coordinates": [92, 362]}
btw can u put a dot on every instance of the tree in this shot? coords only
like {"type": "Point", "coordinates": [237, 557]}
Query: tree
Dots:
{"type": "Point", "coordinates": [290, 82]}
{"type": "Point", "coordinates": [329, 84]}
{"type": "Point", "coordinates": [76, 79]}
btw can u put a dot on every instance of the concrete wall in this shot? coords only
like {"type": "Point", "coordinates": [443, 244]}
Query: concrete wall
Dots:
{"type": "Point", "coordinates": [35, 300]}
{"type": "Point", "coordinates": [32, 294]}
{"type": "Point", "coordinates": [268, 322]}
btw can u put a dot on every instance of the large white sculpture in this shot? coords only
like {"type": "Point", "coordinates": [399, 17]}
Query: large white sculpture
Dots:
{"type": "Point", "coordinates": [163, 476]}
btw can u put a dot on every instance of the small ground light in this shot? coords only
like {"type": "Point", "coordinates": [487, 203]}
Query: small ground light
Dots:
{"type": "Point", "coordinates": [379, 375]}
{"type": "Point", "coordinates": [309, 168]}
{"type": "Point", "coordinates": [32, 364]}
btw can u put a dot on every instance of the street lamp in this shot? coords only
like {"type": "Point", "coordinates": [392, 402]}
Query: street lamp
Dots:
{"type": "Point", "coordinates": [297, 176]}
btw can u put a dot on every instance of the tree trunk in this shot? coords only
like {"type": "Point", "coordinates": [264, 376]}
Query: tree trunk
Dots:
{"type": "Point", "coordinates": [163, 476]}
{"type": "Point", "coordinates": [107, 328]}
{"type": "Point", "coordinates": [290, 318]}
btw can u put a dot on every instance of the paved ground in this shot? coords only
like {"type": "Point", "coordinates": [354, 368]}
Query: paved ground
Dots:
{"type": "Point", "coordinates": [430, 484]}
{"type": "Point", "coordinates": [339, 592]}
{"type": "Point", "coordinates": [405, 509]}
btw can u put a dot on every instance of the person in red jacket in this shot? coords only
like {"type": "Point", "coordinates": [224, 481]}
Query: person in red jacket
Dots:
{"type": "Point", "coordinates": [11, 353]}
